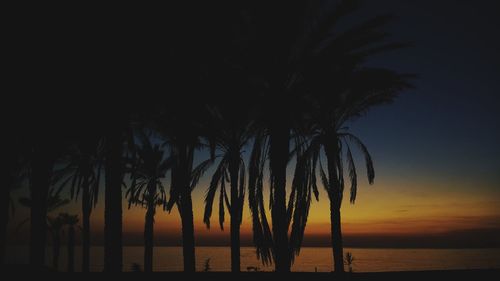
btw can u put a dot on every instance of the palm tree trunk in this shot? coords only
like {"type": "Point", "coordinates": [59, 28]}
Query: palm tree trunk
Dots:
{"type": "Point", "coordinates": [180, 180]}
{"type": "Point", "coordinates": [148, 237]}
{"type": "Point", "coordinates": [332, 154]}
{"type": "Point", "coordinates": [338, 250]}
{"type": "Point", "coordinates": [279, 150]}
{"type": "Point", "coordinates": [235, 213]}
{"type": "Point", "coordinates": [57, 249]}
{"type": "Point", "coordinates": [113, 256]}
{"type": "Point", "coordinates": [187, 232]}
{"type": "Point", "coordinates": [86, 227]}
{"type": "Point", "coordinates": [4, 219]}
{"type": "Point", "coordinates": [42, 170]}
{"type": "Point", "coordinates": [71, 249]}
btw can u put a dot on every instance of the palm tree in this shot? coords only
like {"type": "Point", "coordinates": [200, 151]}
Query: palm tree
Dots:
{"type": "Point", "coordinates": [349, 261]}
{"type": "Point", "coordinates": [331, 134]}
{"type": "Point", "coordinates": [341, 91]}
{"type": "Point", "coordinates": [16, 174]}
{"type": "Point", "coordinates": [147, 190]}
{"type": "Point", "coordinates": [70, 221]}
{"type": "Point", "coordinates": [181, 128]}
{"type": "Point", "coordinates": [5, 203]}
{"type": "Point", "coordinates": [53, 202]}
{"type": "Point", "coordinates": [114, 172]}
{"type": "Point", "coordinates": [281, 55]}
{"type": "Point", "coordinates": [307, 56]}
{"type": "Point", "coordinates": [184, 178]}
{"type": "Point", "coordinates": [272, 61]}
{"type": "Point", "coordinates": [41, 173]}
{"type": "Point", "coordinates": [82, 171]}
{"type": "Point", "coordinates": [192, 52]}
{"type": "Point", "coordinates": [55, 226]}
{"type": "Point", "coordinates": [231, 131]}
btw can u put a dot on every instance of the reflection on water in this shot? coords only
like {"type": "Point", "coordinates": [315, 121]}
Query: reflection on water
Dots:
{"type": "Point", "coordinates": [366, 260]}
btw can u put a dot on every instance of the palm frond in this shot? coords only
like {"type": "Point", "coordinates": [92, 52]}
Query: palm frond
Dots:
{"type": "Point", "coordinates": [370, 171]}
{"type": "Point", "coordinates": [324, 180]}
{"type": "Point", "coordinates": [221, 203]}
{"type": "Point", "coordinates": [198, 172]}
{"type": "Point", "coordinates": [212, 189]}
{"type": "Point", "coordinates": [352, 175]}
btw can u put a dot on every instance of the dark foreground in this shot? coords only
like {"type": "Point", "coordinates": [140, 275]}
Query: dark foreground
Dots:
{"type": "Point", "coordinates": [444, 275]}
{"type": "Point", "coordinates": [482, 274]}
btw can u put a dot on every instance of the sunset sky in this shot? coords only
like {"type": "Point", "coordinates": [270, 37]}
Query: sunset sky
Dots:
{"type": "Point", "coordinates": [436, 149]}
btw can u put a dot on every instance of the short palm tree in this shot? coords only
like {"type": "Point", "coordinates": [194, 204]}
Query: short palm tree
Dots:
{"type": "Point", "coordinates": [81, 171]}
{"type": "Point", "coordinates": [146, 189]}
{"type": "Point", "coordinates": [70, 221]}
{"type": "Point", "coordinates": [55, 226]}
{"type": "Point", "coordinates": [349, 261]}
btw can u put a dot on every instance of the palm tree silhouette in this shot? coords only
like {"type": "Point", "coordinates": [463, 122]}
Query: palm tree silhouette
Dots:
{"type": "Point", "coordinates": [184, 178]}
{"type": "Point", "coordinates": [70, 221]}
{"type": "Point", "coordinates": [342, 89]}
{"type": "Point", "coordinates": [182, 147]}
{"type": "Point", "coordinates": [82, 172]}
{"type": "Point", "coordinates": [17, 174]}
{"type": "Point", "coordinates": [273, 63]}
{"type": "Point", "coordinates": [54, 202]}
{"type": "Point", "coordinates": [284, 53]}
{"type": "Point", "coordinates": [44, 156]}
{"type": "Point", "coordinates": [330, 133]}
{"type": "Point", "coordinates": [55, 226]}
{"type": "Point", "coordinates": [230, 131]}
{"type": "Point", "coordinates": [147, 169]}
{"type": "Point", "coordinates": [191, 61]}
{"type": "Point", "coordinates": [316, 59]}
{"type": "Point", "coordinates": [114, 173]}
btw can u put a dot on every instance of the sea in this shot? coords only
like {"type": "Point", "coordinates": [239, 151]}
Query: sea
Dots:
{"type": "Point", "coordinates": [310, 259]}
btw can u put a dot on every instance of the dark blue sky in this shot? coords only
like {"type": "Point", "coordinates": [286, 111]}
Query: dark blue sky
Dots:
{"type": "Point", "coordinates": [449, 126]}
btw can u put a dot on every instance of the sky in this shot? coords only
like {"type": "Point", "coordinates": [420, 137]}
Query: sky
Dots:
{"type": "Point", "coordinates": [436, 152]}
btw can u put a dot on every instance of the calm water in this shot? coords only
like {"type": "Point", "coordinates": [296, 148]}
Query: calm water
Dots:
{"type": "Point", "coordinates": [310, 259]}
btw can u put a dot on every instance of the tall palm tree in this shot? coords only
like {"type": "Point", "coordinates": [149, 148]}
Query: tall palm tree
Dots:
{"type": "Point", "coordinates": [231, 130]}
{"type": "Point", "coordinates": [5, 203]}
{"type": "Point", "coordinates": [180, 124]}
{"type": "Point", "coordinates": [329, 132]}
{"type": "Point", "coordinates": [82, 172]}
{"type": "Point", "coordinates": [272, 58]}
{"type": "Point", "coordinates": [280, 55]}
{"type": "Point", "coordinates": [191, 53]}
{"type": "Point", "coordinates": [42, 166]}
{"type": "Point", "coordinates": [53, 202]}
{"type": "Point", "coordinates": [342, 90]}
{"type": "Point", "coordinates": [147, 190]}
{"type": "Point", "coordinates": [306, 53]}
{"type": "Point", "coordinates": [114, 173]}
{"type": "Point", "coordinates": [16, 174]}
{"type": "Point", "coordinates": [184, 178]}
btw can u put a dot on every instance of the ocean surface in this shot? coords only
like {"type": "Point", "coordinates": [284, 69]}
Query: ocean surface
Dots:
{"type": "Point", "coordinates": [310, 259]}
